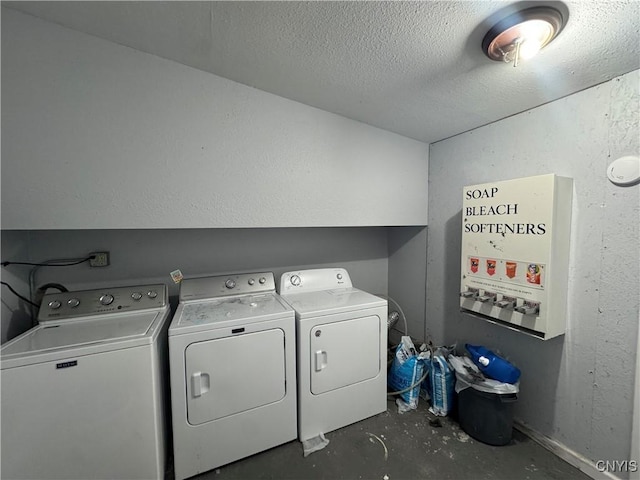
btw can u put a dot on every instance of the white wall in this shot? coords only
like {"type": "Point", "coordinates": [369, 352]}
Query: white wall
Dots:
{"type": "Point", "coordinates": [97, 135]}
{"type": "Point", "coordinates": [578, 388]}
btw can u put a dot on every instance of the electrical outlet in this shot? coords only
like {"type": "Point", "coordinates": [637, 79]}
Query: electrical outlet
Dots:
{"type": "Point", "coordinates": [100, 259]}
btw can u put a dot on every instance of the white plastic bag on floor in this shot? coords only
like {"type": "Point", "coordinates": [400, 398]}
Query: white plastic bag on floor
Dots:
{"type": "Point", "coordinates": [314, 444]}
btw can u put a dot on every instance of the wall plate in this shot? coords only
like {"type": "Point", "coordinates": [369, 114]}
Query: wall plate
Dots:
{"type": "Point", "coordinates": [625, 171]}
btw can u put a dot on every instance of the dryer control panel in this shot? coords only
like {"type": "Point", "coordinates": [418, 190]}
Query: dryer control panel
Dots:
{"type": "Point", "coordinates": [225, 285]}
{"type": "Point", "coordinates": [314, 280]}
{"type": "Point", "coordinates": [57, 306]}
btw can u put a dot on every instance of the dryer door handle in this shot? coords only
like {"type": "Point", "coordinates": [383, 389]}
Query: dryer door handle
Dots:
{"type": "Point", "coordinates": [321, 360]}
{"type": "Point", "coordinates": [199, 384]}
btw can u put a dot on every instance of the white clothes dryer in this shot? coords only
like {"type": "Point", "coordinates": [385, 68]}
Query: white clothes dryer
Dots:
{"type": "Point", "coordinates": [342, 350]}
{"type": "Point", "coordinates": [83, 393]}
{"type": "Point", "coordinates": [232, 361]}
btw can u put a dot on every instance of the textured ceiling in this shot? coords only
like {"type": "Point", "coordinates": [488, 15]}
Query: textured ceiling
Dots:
{"type": "Point", "coordinates": [414, 68]}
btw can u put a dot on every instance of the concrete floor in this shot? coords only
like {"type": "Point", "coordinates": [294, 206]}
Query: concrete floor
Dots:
{"type": "Point", "coordinates": [414, 450]}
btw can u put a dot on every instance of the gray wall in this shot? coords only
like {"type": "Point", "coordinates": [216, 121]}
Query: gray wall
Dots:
{"type": "Point", "coordinates": [98, 138]}
{"type": "Point", "coordinates": [15, 313]}
{"type": "Point", "coordinates": [578, 388]}
{"type": "Point", "coordinates": [408, 278]}
{"type": "Point", "coordinates": [96, 135]}
{"type": "Point", "coordinates": [146, 256]}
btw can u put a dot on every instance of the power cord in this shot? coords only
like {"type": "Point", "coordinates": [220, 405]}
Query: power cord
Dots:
{"type": "Point", "coordinates": [25, 299]}
{"type": "Point", "coordinates": [57, 286]}
{"type": "Point", "coordinates": [46, 264]}
{"type": "Point", "coordinates": [64, 262]}
{"type": "Point", "coordinates": [418, 382]}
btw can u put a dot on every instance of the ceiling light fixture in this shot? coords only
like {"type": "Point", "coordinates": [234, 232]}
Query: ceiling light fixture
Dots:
{"type": "Point", "coordinates": [522, 35]}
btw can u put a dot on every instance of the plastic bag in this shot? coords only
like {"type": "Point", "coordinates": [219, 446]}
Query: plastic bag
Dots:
{"type": "Point", "coordinates": [441, 385]}
{"type": "Point", "coordinates": [403, 407]}
{"type": "Point", "coordinates": [406, 370]}
{"type": "Point", "coordinates": [314, 444]}
{"type": "Point", "coordinates": [469, 375]}
{"type": "Point", "coordinates": [493, 365]}
{"type": "Point", "coordinates": [425, 386]}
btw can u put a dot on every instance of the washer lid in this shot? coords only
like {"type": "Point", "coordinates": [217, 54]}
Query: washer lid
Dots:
{"type": "Point", "coordinates": [228, 311]}
{"type": "Point", "coordinates": [54, 340]}
{"type": "Point", "coordinates": [327, 302]}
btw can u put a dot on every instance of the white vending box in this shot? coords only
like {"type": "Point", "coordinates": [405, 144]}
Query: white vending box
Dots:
{"type": "Point", "coordinates": [515, 253]}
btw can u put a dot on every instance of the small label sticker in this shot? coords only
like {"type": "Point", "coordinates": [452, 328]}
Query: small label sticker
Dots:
{"type": "Point", "coordinates": [72, 363]}
{"type": "Point", "coordinates": [176, 276]}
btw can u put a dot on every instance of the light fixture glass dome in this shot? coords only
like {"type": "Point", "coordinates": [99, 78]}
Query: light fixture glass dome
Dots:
{"type": "Point", "coordinates": [523, 34]}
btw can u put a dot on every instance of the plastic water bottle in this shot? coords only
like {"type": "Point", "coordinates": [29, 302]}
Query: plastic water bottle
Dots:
{"type": "Point", "coordinates": [493, 365]}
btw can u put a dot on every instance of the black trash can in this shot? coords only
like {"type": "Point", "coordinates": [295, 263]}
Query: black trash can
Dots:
{"type": "Point", "coordinates": [487, 417]}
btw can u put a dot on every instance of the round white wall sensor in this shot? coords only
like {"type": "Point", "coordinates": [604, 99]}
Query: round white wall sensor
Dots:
{"type": "Point", "coordinates": [625, 171]}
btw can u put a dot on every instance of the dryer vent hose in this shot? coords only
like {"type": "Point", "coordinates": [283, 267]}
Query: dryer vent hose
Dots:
{"type": "Point", "coordinates": [395, 313]}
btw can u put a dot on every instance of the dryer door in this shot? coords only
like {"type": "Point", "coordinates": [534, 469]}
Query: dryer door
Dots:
{"type": "Point", "coordinates": [230, 375]}
{"type": "Point", "coordinates": [344, 353]}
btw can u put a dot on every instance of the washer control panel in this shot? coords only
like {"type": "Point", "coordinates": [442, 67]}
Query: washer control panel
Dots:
{"type": "Point", "coordinates": [225, 285]}
{"type": "Point", "coordinates": [314, 280]}
{"type": "Point", "coordinates": [56, 306]}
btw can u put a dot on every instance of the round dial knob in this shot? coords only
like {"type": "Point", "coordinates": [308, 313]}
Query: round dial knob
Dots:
{"type": "Point", "coordinates": [136, 295]}
{"type": "Point", "coordinates": [106, 299]}
{"type": "Point", "coordinates": [54, 304]}
{"type": "Point", "coordinates": [152, 294]}
{"type": "Point", "coordinates": [251, 281]}
{"type": "Point", "coordinates": [339, 276]}
{"type": "Point", "coordinates": [230, 283]}
{"type": "Point", "coordinates": [73, 302]}
{"type": "Point", "coordinates": [262, 280]}
{"type": "Point", "coordinates": [295, 280]}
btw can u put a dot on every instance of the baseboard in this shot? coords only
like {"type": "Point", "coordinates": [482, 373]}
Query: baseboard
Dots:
{"type": "Point", "coordinates": [582, 463]}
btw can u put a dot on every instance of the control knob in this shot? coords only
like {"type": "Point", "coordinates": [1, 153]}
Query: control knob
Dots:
{"type": "Point", "coordinates": [295, 280]}
{"type": "Point", "coordinates": [73, 302]}
{"type": "Point", "coordinates": [106, 299]}
{"type": "Point", "coordinates": [152, 294]}
{"type": "Point", "coordinates": [230, 283]}
{"type": "Point", "coordinates": [136, 295]}
{"type": "Point", "coordinates": [54, 304]}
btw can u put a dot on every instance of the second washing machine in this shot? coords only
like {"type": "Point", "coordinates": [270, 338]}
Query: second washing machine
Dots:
{"type": "Point", "coordinates": [233, 375]}
{"type": "Point", "coordinates": [341, 350]}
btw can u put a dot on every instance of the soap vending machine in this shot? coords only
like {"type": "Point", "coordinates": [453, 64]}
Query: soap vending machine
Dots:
{"type": "Point", "coordinates": [515, 253]}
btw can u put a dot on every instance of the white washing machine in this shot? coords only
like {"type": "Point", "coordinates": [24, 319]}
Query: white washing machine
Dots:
{"type": "Point", "coordinates": [232, 361]}
{"type": "Point", "coordinates": [342, 350]}
{"type": "Point", "coordinates": [82, 392]}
